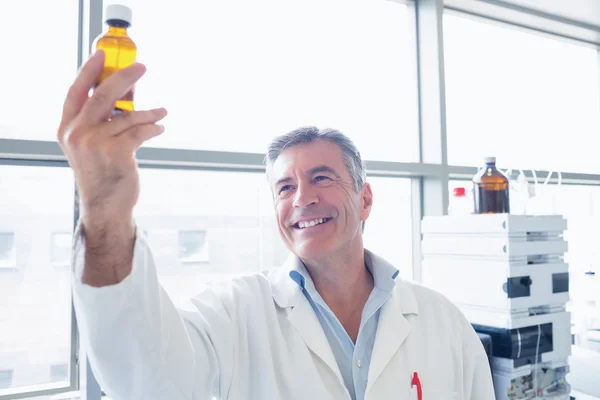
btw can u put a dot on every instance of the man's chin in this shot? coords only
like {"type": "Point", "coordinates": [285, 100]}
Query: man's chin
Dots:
{"type": "Point", "coordinates": [312, 251]}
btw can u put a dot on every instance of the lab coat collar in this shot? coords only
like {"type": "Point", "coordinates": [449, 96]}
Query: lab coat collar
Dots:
{"type": "Point", "coordinates": [285, 291]}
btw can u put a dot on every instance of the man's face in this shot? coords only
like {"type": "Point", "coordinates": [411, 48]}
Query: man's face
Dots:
{"type": "Point", "coordinates": [318, 211]}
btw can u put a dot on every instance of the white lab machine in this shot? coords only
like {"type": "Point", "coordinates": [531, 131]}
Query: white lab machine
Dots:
{"type": "Point", "coordinates": [547, 381]}
{"type": "Point", "coordinates": [511, 286]}
{"type": "Point", "coordinates": [508, 276]}
{"type": "Point", "coordinates": [526, 340]}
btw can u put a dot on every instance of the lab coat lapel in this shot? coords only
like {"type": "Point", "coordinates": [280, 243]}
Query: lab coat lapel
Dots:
{"type": "Point", "coordinates": [287, 294]}
{"type": "Point", "coordinates": [305, 321]}
{"type": "Point", "coordinates": [392, 330]}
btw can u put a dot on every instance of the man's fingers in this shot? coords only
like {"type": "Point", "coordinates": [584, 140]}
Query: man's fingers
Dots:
{"type": "Point", "coordinates": [138, 134]}
{"type": "Point", "coordinates": [78, 92]}
{"type": "Point", "coordinates": [101, 103]}
{"type": "Point", "coordinates": [128, 120]}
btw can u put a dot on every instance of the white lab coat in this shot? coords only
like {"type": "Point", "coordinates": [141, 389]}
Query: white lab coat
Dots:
{"type": "Point", "coordinates": [257, 337]}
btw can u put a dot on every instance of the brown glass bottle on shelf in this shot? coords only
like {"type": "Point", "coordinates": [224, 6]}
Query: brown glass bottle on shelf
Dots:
{"type": "Point", "coordinates": [490, 189]}
{"type": "Point", "coordinates": [120, 51]}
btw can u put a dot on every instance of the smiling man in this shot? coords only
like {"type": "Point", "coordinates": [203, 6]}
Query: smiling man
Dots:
{"type": "Point", "coordinates": [334, 322]}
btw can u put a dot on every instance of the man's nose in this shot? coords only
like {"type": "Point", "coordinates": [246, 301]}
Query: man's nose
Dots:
{"type": "Point", "coordinates": [306, 195]}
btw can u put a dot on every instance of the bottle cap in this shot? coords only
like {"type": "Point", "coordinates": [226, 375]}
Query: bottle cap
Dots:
{"type": "Point", "coordinates": [118, 11]}
{"type": "Point", "coordinates": [459, 192]}
{"type": "Point", "coordinates": [490, 160]}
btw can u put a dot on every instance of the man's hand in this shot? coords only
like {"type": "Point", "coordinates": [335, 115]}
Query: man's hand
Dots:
{"type": "Point", "coordinates": [101, 152]}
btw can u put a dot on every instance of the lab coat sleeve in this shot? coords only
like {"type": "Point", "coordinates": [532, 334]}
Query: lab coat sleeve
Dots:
{"type": "Point", "coordinates": [140, 346]}
{"type": "Point", "coordinates": [478, 384]}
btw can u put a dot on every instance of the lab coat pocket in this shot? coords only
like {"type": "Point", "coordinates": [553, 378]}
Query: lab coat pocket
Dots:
{"type": "Point", "coordinates": [433, 394]}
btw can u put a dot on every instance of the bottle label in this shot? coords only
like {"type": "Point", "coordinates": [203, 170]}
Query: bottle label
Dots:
{"type": "Point", "coordinates": [491, 201]}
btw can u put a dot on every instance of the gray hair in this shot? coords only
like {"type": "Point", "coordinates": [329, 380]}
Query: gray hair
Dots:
{"type": "Point", "coordinates": [309, 134]}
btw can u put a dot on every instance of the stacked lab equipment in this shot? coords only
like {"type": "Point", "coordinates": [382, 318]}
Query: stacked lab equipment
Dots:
{"type": "Point", "coordinates": [508, 276]}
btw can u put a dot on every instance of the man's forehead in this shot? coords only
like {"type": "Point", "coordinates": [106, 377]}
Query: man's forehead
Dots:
{"type": "Point", "coordinates": [307, 158]}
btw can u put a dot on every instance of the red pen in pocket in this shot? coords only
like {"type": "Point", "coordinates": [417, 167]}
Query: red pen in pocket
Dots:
{"type": "Point", "coordinates": [417, 382]}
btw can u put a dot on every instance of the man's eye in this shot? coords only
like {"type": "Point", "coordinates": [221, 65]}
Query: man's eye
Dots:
{"type": "Point", "coordinates": [322, 178]}
{"type": "Point", "coordinates": [285, 188]}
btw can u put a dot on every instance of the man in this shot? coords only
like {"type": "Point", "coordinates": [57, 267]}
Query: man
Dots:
{"type": "Point", "coordinates": [334, 322]}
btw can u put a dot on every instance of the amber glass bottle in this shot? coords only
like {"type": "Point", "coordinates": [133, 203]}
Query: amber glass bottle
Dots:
{"type": "Point", "coordinates": [120, 51]}
{"type": "Point", "coordinates": [491, 189]}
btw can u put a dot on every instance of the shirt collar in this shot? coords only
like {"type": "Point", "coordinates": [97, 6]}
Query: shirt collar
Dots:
{"type": "Point", "coordinates": [384, 274]}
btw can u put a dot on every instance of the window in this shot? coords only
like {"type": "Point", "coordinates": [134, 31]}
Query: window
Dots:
{"type": "Point", "coordinates": [45, 91]}
{"type": "Point", "coordinates": [59, 372]}
{"type": "Point", "coordinates": [6, 379]}
{"type": "Point", "coordinates": [35, 300]}
{"type": "Point", "coordinates": [234, 211]}
{"type": "Point", "coordinates": [518, 96]}
{"type": "Point", "coordinates": [388, 231]}
{"type": "Point", "coordinates": [235, 74]}
{"type": "Point", "coordinates": [181, 209]}
{"type": "Point", "coordinates": [193, 247]}
{"type": "Point", "coordinates": [7, 251]}
{"type": "Point", "coordinates": [60, 250]}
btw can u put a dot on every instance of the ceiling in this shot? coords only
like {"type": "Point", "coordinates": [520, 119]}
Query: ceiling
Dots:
{"type": "Point", "coordinates": [586, 11]}
{"type": "Point", "coordinates": [578, 20]}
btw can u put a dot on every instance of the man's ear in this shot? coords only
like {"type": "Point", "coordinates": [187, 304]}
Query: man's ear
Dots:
{"type": "Point", "coordinates": [366, 202]}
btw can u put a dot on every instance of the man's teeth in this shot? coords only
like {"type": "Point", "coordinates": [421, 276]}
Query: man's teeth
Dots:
{"type": "Point", "coordinates": [307, 224]}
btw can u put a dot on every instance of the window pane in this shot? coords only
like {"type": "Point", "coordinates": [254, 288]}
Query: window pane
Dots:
{"type": "Point", "coordinates": [37, 69]}
{"type": "Point", "coordinates": [235, 74]}
{"type": "Point", "coordinates": [388, 231]}
{"type": "Point", "coordinates": [8, 256]}
{"type": "Point", "coordinates": [519, 96]}
{"type": "Point", "coordinates": [35, 298]}
{"type": "Point", "coordinates": [60, 251]}
{"type": "Point", "coordinates": [187, 213]}
{"type": "Point", "coordinates": [233, 214]}
{"type": "Point", "coordinates": [59, 372]}
{"type": "Point", "coordinates": [6, 379]}
{"type": "Point", "coordinates": [193, 246]}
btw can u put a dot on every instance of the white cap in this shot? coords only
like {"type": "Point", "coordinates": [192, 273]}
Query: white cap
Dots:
{"type": "Point", "coordinates": [118, 11]}
{"type": "Point", "coordinates": [490, 160]}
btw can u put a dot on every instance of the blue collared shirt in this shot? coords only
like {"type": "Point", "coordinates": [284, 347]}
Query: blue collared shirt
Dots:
{"type": "Point", "coordinates": [353, 359]}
